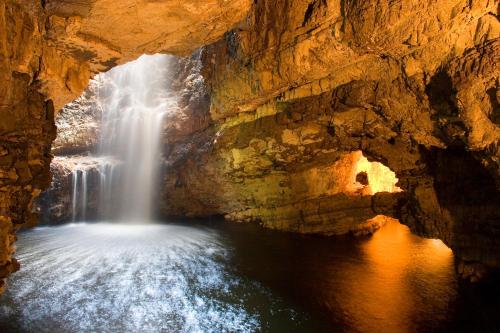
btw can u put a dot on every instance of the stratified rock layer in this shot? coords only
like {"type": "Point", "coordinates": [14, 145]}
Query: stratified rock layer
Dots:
{"type": "Point", "coordinates": [411, 84]}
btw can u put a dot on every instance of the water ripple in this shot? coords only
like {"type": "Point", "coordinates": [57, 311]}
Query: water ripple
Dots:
{"type": "Point", "coordinates": [126, 278]}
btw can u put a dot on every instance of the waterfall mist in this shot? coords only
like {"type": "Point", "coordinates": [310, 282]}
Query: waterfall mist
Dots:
{"type": "Point", "coordinates": [133, 99]}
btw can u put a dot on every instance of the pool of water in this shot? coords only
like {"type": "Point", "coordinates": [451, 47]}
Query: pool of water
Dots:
{"type": "Point", "coordinates": [223, 277]}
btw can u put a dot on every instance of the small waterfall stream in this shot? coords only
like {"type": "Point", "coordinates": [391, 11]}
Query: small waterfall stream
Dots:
{"type": "Point", "coordinates": [133, 99]}
{"type": "Point", "coordinates": [79, 193]}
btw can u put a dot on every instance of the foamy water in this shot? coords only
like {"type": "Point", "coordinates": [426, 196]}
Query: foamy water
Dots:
{"type": "Point", "coordinates": [226, 277]}
{"type": "Point", "coordinates": [127, 278]}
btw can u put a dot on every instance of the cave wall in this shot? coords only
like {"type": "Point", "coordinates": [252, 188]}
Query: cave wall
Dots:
{"type": "Point", "coordinates": [26, 124]}
{"type": "Point", "coordinates": [288, 171]}
{"type": "Point", "coordinates": [301, 84]}
{"type": "Point", "coordinates": [294, 89]}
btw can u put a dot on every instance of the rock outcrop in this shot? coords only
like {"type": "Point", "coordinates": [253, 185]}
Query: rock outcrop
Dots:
{"type": "Point", "coordinates": [413, 85]}
{"type": "Point", "coordinates": [78, 124]}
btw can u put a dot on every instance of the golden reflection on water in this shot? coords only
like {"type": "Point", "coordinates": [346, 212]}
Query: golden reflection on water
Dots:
{"type": "Point", "coordinates": [400, 269]}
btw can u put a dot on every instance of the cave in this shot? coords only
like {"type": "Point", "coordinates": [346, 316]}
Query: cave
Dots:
{"type": "Point", "coordinates": [249, 166]}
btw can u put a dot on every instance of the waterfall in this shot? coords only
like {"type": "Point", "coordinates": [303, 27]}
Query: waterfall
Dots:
{"type": "Point", "coordinates": [84, 195]}
{"type": "Point", "coordinates": [133, 99]}
{"type": "Point", "coordinates": [74, 195]}
{"type": "Point", "coordinates": [79, 182]}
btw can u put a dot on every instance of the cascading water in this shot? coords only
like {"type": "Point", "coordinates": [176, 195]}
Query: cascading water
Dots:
{"type": "Point", "coordinates": [133, 99]}
{"type": "Point", "coordinates": [74, 194]}
{"type": "Point", "coordinates": [79, 193]}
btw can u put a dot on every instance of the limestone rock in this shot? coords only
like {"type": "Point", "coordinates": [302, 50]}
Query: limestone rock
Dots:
{"type": "Point", "coordinates": [411, 84]}
{"type": "Point", "coordinates": [87, 36]}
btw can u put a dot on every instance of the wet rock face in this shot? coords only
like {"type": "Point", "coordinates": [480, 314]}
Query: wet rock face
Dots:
{"type": "Point", "coordinates": [302, 84]}
{"type": "Point", "coordinates": [191, 115]}
{"type": "Point", "coordinates": [62, 202]}
{"type": "Point", "coordinates": [78, 124]}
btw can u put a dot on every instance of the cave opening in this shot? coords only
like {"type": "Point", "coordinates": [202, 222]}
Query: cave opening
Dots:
{"type": "Point", "coordinates": [116, 145]}
{"type": "Point", "coordinates": [368, 178]}
{"type": "Point", "coordinates": [198, 275]}
{"type": "Point", "coordinates": [374, 177]}
{"type": "Point", "coordinates": [108, 148]}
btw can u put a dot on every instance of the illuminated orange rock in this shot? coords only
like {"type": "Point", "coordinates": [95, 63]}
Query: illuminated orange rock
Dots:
{"type": "Point", "coordinates": [87, 37]}
{"type": "Point", "coordinates": [413, 85]}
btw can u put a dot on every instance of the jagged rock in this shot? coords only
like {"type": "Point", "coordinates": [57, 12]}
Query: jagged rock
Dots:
{"type": "Point", "coordinates": [78, 124]}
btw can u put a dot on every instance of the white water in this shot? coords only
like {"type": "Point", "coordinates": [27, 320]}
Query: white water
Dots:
{"type": "Point", "coordinates": [74, 195]}
{"type": "Point", "coordinates": [133, 99]}
{"type": "Point", "coordinates": [127, 278]}
{"type": "Point", "coordinates": [79, 193]}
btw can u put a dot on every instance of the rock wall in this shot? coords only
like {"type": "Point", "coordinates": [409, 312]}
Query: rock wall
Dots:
{"type": "Point", "coordinates": [26, 123]}
{"type": "Point", "coordinates": [296, 91]}
{"type": "Point", "coordinates": [302, 84]}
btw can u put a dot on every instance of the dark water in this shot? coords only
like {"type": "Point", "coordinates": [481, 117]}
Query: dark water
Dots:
{"type": "Point", "coordinates": [222, 277]}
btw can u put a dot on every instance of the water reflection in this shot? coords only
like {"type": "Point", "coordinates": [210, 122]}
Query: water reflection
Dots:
{"type": "Point", "coordinates": [390, 282]}
{"type": "Point", "coordinates": [401, 273]}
